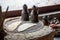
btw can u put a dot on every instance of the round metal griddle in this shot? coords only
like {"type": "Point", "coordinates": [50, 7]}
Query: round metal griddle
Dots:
{"type": "Point", "coordinates": [10, 21]}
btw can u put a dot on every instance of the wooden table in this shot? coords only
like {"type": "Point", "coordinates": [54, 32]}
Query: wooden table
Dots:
{"type": "Point", "coordinates": [57, 30]}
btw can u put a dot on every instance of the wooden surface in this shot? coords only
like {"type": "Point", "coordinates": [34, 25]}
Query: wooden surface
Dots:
{"type": "Point", "coordinates": [58, 26]}
{"type": "Point", "coordinates": [42, 10]}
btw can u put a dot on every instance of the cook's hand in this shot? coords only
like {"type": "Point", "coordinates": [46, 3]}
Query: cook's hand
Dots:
{"type": "Point", "coordinates": [53, 26]}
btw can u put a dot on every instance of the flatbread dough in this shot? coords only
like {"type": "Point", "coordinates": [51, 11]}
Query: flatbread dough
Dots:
{"type": "Point", "coordinates": [25, 26]}
{"type": "Point", "coordinates": [13, 26]}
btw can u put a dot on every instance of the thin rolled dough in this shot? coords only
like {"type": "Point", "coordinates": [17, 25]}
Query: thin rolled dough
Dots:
{"type": "Point", "coordinates": [25, 26]}
{"type": "Point", "coordinates": [13, 26]}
